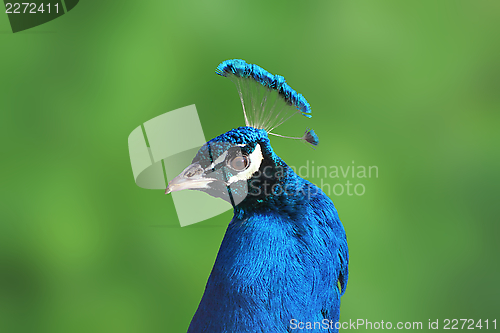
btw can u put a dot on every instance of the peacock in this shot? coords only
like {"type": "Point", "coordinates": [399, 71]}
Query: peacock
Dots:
{"type": "Point", "coordinates": [283, 263]}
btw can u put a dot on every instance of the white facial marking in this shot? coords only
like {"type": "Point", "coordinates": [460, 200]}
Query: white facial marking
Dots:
{"type": "Point", "coordinates": [219, 159]}
{"type": "Point", "coordinates": [255, 161]}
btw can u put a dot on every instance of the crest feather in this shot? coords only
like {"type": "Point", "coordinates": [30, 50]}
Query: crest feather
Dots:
{"type": "Point", "coordinates": [311, 137]}
{"type": "Point", "coordinates": [267, 100]}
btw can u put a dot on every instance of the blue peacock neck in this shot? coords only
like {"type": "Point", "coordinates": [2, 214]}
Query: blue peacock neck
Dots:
{"type": "Point", "coordinates": [264, 274]}
{"type": "Point", "coordinates": [276, 189]}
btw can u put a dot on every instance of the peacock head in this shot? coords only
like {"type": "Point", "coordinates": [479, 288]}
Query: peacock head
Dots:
{"type": "Point", "coordinates": [235, 166]}
{"type": "Point", "coordinates": [240, 165]}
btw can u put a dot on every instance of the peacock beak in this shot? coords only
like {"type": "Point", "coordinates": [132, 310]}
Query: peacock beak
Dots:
{"type": "Point", "coordinates": [193, 177]}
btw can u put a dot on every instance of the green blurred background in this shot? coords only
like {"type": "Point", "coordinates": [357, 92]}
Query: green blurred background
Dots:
{"type": "Point", "coordinates": [411, 87]}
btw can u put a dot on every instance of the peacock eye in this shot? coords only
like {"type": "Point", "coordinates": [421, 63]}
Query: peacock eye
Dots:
{"type": "Point", "coordinates": [239, 163]}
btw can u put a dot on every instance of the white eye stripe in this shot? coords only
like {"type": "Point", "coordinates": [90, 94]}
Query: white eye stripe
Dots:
{"type": "Point", "coordinates": [255, 161]}
{"type": "Point", "coordinates": [219, 160]}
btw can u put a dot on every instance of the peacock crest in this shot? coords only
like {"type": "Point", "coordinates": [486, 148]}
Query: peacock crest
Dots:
{"type": "Point", "coordinates": [267, 100]}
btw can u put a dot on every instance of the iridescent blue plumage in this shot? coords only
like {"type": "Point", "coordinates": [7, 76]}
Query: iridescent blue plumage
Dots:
{"type": "Point", "coordinates": [284, 256]}
{"type": "Point", "coordinates": [244, 75]}
{"type": "Point", "coordinates": [311, 137]}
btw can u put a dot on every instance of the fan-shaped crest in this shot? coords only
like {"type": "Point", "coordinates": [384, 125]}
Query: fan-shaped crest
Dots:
{"type": "Point", "coordinates": [267, 100]}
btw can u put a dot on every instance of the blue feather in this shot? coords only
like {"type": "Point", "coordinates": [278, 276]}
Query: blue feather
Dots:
{"type": "Point", "coordinates": [238, 69]}
{"type": "Point", "coordinates": [311, 137]}
{"type": "Point", "coordinates": [284, 255]}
